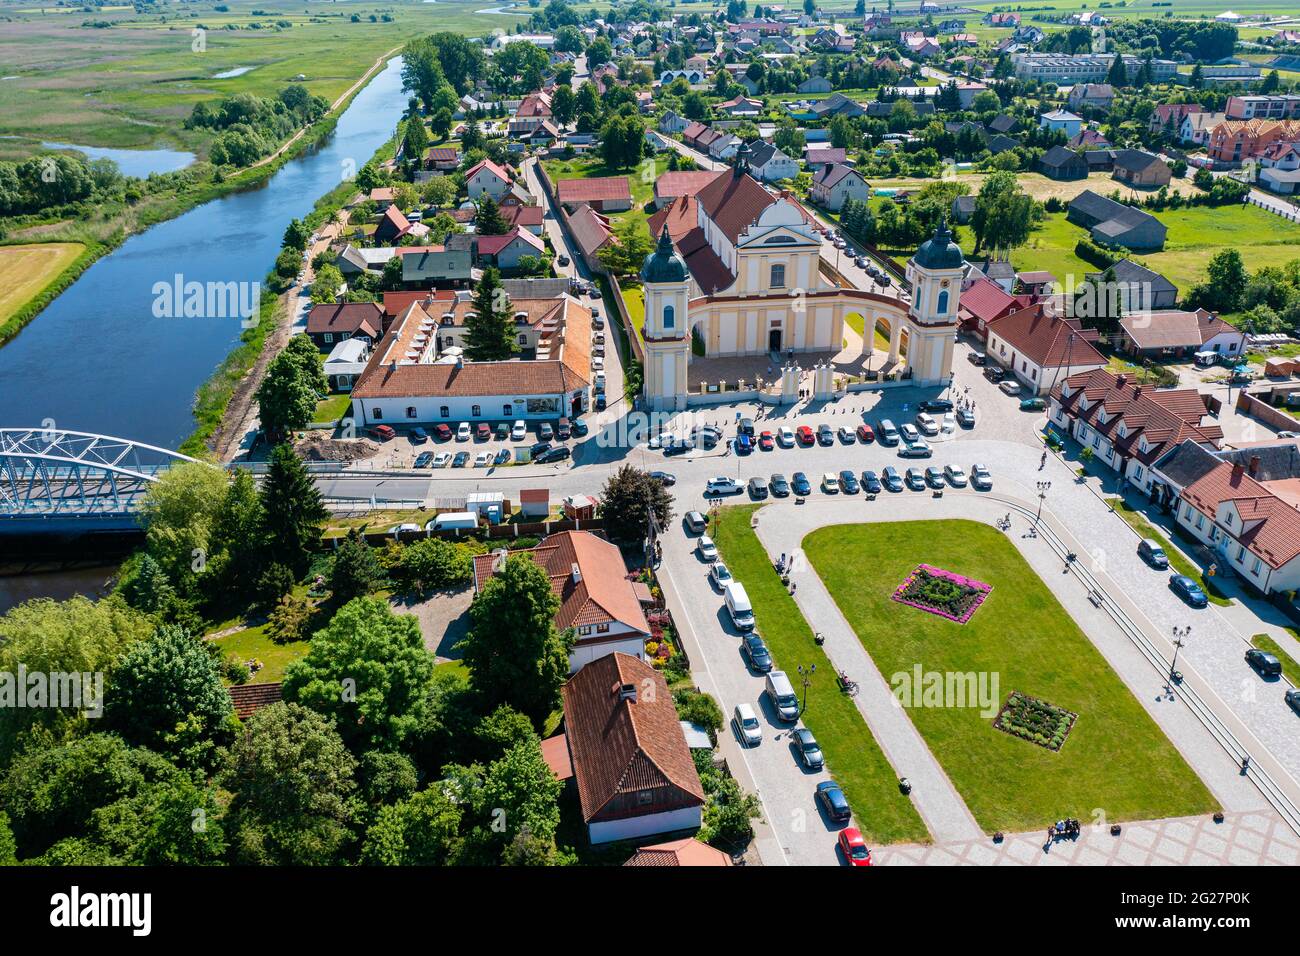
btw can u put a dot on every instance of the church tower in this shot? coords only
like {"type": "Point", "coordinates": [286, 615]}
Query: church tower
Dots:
{"type": "Point", "coordinates": [667, 284]}
{"type": "Point", "coordinates": [935, 273]}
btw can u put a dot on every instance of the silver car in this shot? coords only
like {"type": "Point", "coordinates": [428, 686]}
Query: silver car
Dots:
{"type": "Point", "coordinates": [747, 725]}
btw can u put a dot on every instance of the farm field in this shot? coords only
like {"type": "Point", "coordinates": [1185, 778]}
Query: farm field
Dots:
{"type": "Point", "coordinates": [26, 269]}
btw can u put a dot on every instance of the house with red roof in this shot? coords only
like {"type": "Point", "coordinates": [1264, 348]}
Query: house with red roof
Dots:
{"type": "Point", "coordinates": [525, 217]}
{"type": "Point", "coordinates": [685, 852]}
{"type": "Point", "coordinates": [487, 178]}
{"type": "Point", "coordinates": [1040, 348]}
{"type": "Point", "coordinates": [506, 250]}
{"type": "Point", "coordinates": [592, 232]}
{"type": "Point", "coordinates": [675, 183]}
{"type": "Point", "coordinates": [603, 194]}
{"type": "Point", "coordinates": [534, 110]}
{"type": "Point", "coordinates": [982, 302]}
{"type": "Point", "coordinates": [333, 322]}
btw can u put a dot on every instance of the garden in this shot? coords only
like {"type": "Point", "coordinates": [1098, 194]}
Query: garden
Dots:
{"type": "Point", "coordinates": [1024, 640]}
{"type": "Point", "coordinates": [941, 592]}
{"type": "Point", "coordinates": [1035, 720]}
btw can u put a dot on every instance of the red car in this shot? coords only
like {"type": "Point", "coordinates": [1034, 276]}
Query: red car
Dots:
{"type": "Point", "coordinates": [383, 432]}
{"type": "Point", "coordinates": [442, 432]}
{"type": "Point", "coordinates": [865, 434]}
{"type": "Point", "coordinates": [766, 441]}
{"type": "Point", "coordinates": [483, 432]}
{"type": "Point", "coordinates": [854, 847]}
{"type": "Point", "coordinates": [804, 435]}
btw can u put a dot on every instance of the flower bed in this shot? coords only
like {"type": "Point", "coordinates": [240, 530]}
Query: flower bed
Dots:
{"type": "Point", "coordinates": [1035, 720]}
{"type": "Point", "coordinates": [943, 593]}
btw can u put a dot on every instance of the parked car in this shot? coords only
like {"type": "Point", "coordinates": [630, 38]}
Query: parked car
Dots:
{"type": "Point", "coordinates": [398, 529]}
{"type": "Point", "coordinates": [805, 435]}
{"type": "Point", "coordinates": [1292, 698]}
{"type": "Point", "coordinates": [424, 460]}
{"type": "Point", "coordinates": [442, 459]}
{"type": "Point", "coordinates": [757, 488]}
{"type": "Point", "coordinates": [706, 548]}
{"type": "Point", "coordinates": [744, 444]}
{"type": "Point", "coordinates": [891, 479]}
{"type": "Point", "coordinates": [461, 459]}
{"type": "Point", "coordinates": [800, 484]}
{"type": "Point", "coordinates": [766, 442]}
{"type": "Point", "coordinates": [483, 459]}
{"type": "Point", "coordinates": [848, 482]}
{"type": "Point", "coordinates": [442, 432]}
{"type": "Point", "coordinates": [419, 436]}
{"type": "Point", "coordinates": [557, 453]}
{"type": "Point", "coordinates": [994, 373]}
{"type": "Point", "coordinates": [779, 487]}
{"type": "Point", "coordinates": [936, 405]}
{"type": "Point", "coordinates": [720, 574]}
{"type": "Point", "coordinates": [745, 427]}
{"type": "Point", "coordinates": [545, 432]}
{"type": "Point", "coordinates": [846, 435]}
{"type": "Point", "coordinates": [665, 478]}
{"type": "Point", "coordinates": [825, 436]}
{"type": "Point", "coordinates": [865, 433]}
{"type": "Point", "coordinates": [722, 486]}
{"type": "Point", "coordinates": [809, 751]}
{"type": "Point", "coordinates": [383, 432]}
{"type": "Point", "coordinates": [934, 477]}
{"type": "Point", "coordinates": [830, 483]}
{"type": "Point", "coordinates": [1010, 387]}
{"type": "Point", "coordinates": [926, 423]}
{"type": "Point", "coordinates": [562, 260]}
{"type": "Point", "coordinates": [1034, 404]}
{"type": "Point", "coordinates": [579, 427]}
{"type": "Point", "coordinates": [977, 358]}
{"type": "Point", "coordinates": [747, 725]}
{"type": "Point", "coordinates": [854, 847]}
{"type": "Point", "coordinates": [949, 424]}
{"type": "Point", "coordinates": [501, 457]}
{"type": "Point", "coordinates": [563, 429]}
{"type": "Point", "coordinates": [1264, 663]}
{"type": "Point", "coordinates": [955, 475]}
{"type": "Point", "coordinates": [887, 433]}
{"type": "Point", "coordinates": [909, 433]}
{"type": "Point", "coordinates": [695, 522]}
{"type": "Point", "coordinates": [756, 653]}
{"type": "Point", "coordinates": [980, 478]}
{"type": "Point", "coordinates": [539, 448]}
{"type": "Point", "coordinates": [785, 437]}
{"type": "Point", "coordinates": [871, 483]}
{"type": "Point", "coordinates": [916, 449]}
{"type": "Point", "coordinates": [519, 431]}
{"type": "Point", "coordinates": [966, 417]}
{"type": "Point", "coordinates": [1188, 590]}
{"type": "Point", "coordinates": [483, 432]}
{"type": "Point", "coordinates": [833, 801]}
{"type": "Point", "coordinates": [600, 401]}
{"type": "Point", "coordinates": [915, 479]}
{"type": "Point", "coordinates": [1150, 551]}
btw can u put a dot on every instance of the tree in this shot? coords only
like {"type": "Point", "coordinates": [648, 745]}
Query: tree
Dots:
{"type": "Point", "coordinates": [513, 651]}
{"type": "Point", "coordinates": [292, 786]}
{"type": "Point", "coordinates": [440, 191]}
{"type": "Point", "coordinates": [178, 514]}
{"type": "Point", "coordinates": [236, 538]}
{"type": "Point", "coordinates": [630, 497]}
{"type": "Point", "coordinates": [296, 235]}
{"type": "Point", "coordinates": [1004, 215]}
{"type": "Point", "coordinates": [622, 141]}
{"type": "Point", "coordinates": [523, 791]}
{"type": "Point", "coordinates": [289, 620]}
{"type": "Point", "coordinates": [789, 139]}
{"type": "Point", "coordinates": [626, 255]}
{"type": "Point", "coordinates": [563, 105]}
{"type": "Point", "coordinates": [599, 52]}
{"type": "Point", "coordinates": [415, 139]}
{"type": "Point", "coordinates": [325, 284]}
{"type": "Point", "coordinates": [462, 61]}
{"type": "Point", "coordinates": [419, 831]}
{"type": "Point", "coordinates": [440, 122]}
{"type": "Point", "coordinates": [354, 570]}
{"type": "Point", "coordinates": [1226, 279]}
{"type": "Point", "coordinates": [369, 671]}
{"type": "Point", "coordinates": [286, 400]}
{"type": "Point", "coordinates": [1118, 73]}
{"type": "Point", "coordinates": [293, 509]}
{"type": "Point", "coordinates": [488, 221]}
{"type": "Point", "coordinates": [422, 69]}
{"type": "Point", "coordinates": [433, 563]}
{"type": "Point", "coordinates": [148, 589]}
{"type": "Point", "coordinates": [166, 694]}
{"type": "Point", "coordinates": [810, 7]}
{"type": "Point", "coordinates": [489, 328]}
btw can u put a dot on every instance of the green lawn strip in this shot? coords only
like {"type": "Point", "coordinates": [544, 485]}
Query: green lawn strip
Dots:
{"type": "Point", "coordinates": [634, 301]}
{"type": "Point", "coordinates": [1180, 563]}
{"type": "Point", "coordinates": [1289, 666]}
{"type": "Point", "coordinates": [883, 814]}
{"type": "Point", "coordinates": [331, 409]}
{"type": "Point", "coordinates": [253, 643]}
{"type": "Point", "coordinates": [1115, 760]}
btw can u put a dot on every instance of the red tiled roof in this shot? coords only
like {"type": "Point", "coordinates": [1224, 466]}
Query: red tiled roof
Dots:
{"type": "Point", "coordinates": [734, 202]}
{"type": "Point", "coordinates": [678, 183]}
{"type": "Point", "coordinates": [1272, 526]}
{"type": "Point", "coordinates": [555, 751]}
{"type": "Point", "coordinates": [986, 301]}
{"type": "Point", "coordinates": [250, 698]}
{"type": "Point", "coordinates": [491, 167]}
{"type": "Point", "coordinates": [534, 495]}
{"type": "Point", "coordinates": [600, 189]}
{"type": "Point", "coordinates": [706, 267]}
{"type": "Point", "coordinates": [350, 317]}
{"type": "Point", "coordinates": [1044, 339]}
{"type": "Point", "coordinates": [392, 224]}
{"type": "Point", "coordinates": [590, 230]}
{"type": "Point", "coordinates": [395, 303]}
{"type": "Point", "coordinates": [621, 748]}
{"type": "Point", "coordinates": [1173, 328]}
{"type": "Point", "coordinates": [523, 215]}
{"type": "Point", "coordinates": [492, 245]}
{"type": "Point", "coordinates": [680, 216]}
{"type": "Point", "coordinates": [685, 852]}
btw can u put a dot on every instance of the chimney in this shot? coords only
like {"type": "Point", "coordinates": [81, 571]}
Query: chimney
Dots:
{"type": "Point", "coordinates": [1137, 390]}
{"type": "Point", "coordinates": [1254, 465]}
{"type": "Point", "coordinates": [499, 560]}
{"type": "Point", "coordinates": [1121, 380]}
{"type": "Point", "coordinates": [1237, 472]}
{"type": "Point", "coordinates": [626, 692]}
{"type": "Point", "coordinates": [460, 361]}
{"type": "Point", "coordinates": [576, 572]}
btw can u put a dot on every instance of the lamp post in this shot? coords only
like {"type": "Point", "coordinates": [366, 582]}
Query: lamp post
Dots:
{"type": "Point", "coordinates": [806, 674]}
{"type": "Point", "coordinates": [1043, 488]}
{"type": "Point", "coordinates": [1180, 633]}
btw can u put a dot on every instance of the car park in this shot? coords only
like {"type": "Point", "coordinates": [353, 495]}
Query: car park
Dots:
{"type": "Point", "coordinates": [956, 476]}
{"type": "Point", "coordinates": [441, 459]}
{"type": "Point", "coordinates": [419, 436]}
{"type": "Point", "coordinates": [1150, 551]}
{"type": "Point", "coordinates": [854, 847]}
{"type": "Point", "coordinates": [909, 433]}
{"type": "Point", "coordinates": [936, 405]}
{"type": "Point", "coordinates": [825, 436]}
{"type": "Point", "coordinates": [805, 435]}
{"type": "Point", "coordinates": [830, 483]}
{"type": "Point", "coordinates": [848, 482]}
{"type": "Point", "coordinates": [915, 479]}
{"type": "Point", "coordinates": [800, 484]}
{"type": "Point", "coordinates": [1188, 590]}
{"type": "Point", "coordinates": [866, 434]}
{"type": "Point", "coordinates": [766, 442]}
{"type": "Point", "coordinates": [706, 548]}
{"type": "Point", "coordinates": [720, 574]}
{"type": "Point", "coordinates": [833, 801]}
{"type": "Point", "coordinates": [871, 483]}
{"type": "Point", "coordinates": [846, 435]}
{"type": "Point", "coordinates": [891, 479]}
{"type": "Point", "coordinates": [1033, 404]}
{"type": "Point", "coordinates": [980, 478]}
{"type": "Point", "coordinates": [461, 459]}
{"type": "Point", "coordinates": [926, 424]}
{"type": "Point", "coordinates": [722, 486]}
{"type": "Point", "coordinates": [785, 436]}
{"type": "Point", "coordinates": [934, 477]}
{"type": "Point", "coordinates": [1264, 663]}
{"type": "Point", "coordinates": [1010, 387]}
{"type": "Point", "coordinates": [695, 522]}
{"type": "Point", "coordinates": [757, 488]}
{"type": "Point", "coordinates": [916, 449]}
{"type": "Point", "coordinates": [747, 725]}
{"type": "Point", "coordinates": [756, 653]}
{"type": "Point", "coordinates": [557, 453]}
{"type": "Point", "coordinates": [809, 751]}
{"type": "Point", "coordinates": [665, 478]}
{"type": "Point", "coordinates": [779, 487]}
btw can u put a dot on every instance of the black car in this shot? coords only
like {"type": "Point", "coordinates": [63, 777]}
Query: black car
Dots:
{"type": "Point", "coordinates": [994, 373]}
{"type": "Point", "coordinates": [1265, 664]}
{"type": "Point", "coordinates": [667, 479]}
{"type": "Point", "coordinates": [800, 484]}
{"type": "Point", "coordinates": [809, 751]}
{"type": "Point", "coordinates": [757, 488]}
{"type": "Point", "coordinates": [756, 653]}
{"type": "Point", "coordinates": [936, 405]}
{"type": "Point", "coordinates": [892, 479]}
{"type": "Point", "coordinates": [848, 482]}
{"type": "Point", "coordinates": [503, 431]}
{"type": "Point", "coordinates": [541, 448]}
{"type": "Point", "coordinates": [779, 487]}
{"type": "Point", "coordinates": [424, 459]}
{"type": "Point", "coordinates": [871, 483]}
{"type": "Point", "coordinates": [1292, 698]}
{"type": "Point", "coordinates": [600, 401]}
{"type": "Point", "coordinates": [746, 427]}
{"type": "Point", "coordinates": [558, 453]}
{"type": "Point", "coordinates": [833, 801]}
{"type": "Point", "coordinates": [976, 358]}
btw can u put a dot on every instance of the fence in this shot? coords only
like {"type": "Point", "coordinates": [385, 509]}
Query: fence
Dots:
{"type": "Point", "coordinates": [486, 533]}
{"type": "Point", "coordinates": [1255, 407]}
{"type": "Point", "coordinates": [633, 339]}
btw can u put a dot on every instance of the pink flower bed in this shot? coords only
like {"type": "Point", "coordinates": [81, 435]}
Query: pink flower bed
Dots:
{"type": "Point", "coordinates": [961, 596]}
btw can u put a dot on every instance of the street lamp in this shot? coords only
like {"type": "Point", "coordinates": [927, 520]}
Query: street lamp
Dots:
{"type": "Point", "coordinates": [807, 679]}
{"type": "Point", "coordinates": [1043, 488]}
{"type": "Point", "coordinates": [1180, 633]}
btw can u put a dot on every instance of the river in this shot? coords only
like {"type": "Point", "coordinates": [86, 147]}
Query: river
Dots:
{"type": "Point", "coordinates": [99, 359]}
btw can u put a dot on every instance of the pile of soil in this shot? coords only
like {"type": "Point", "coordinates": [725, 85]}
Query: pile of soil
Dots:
{"type": "Point", "coordinates": [319, 446]}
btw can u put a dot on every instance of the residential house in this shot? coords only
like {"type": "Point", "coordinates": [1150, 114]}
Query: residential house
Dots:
{"type": "Point", "coordinates": [1275, 107]}
{"type": "Point", "coordinates": [487, 178]}
{"type": "Point", "coordinates": [346, 361]}
{"type": "Point", "coordinates": [382, 197]}
{"type": "Point", "coordinates": [817, 157]}
{"type": "Point", "coordinates": [1140, 289]}
{"type": "Point", "coordinates": [741, 106]}
{"type": "Point", "coordinates": [982, 301]}
{"type": "Point", "coordinates": [333, 322]}
{"type": "Point", "coordinates": [604, 194]}
{"type": "Point", "coordinates": [1064, 120]}
{"type": "Point", "coordinates": [671, 123]}
{"type": "Point", "coordinates": [1167, 118]}
{"type": "Point", "coordinates": [963, 207]}
{"type": "Point", "coordinates": [1196, 127]}
{"type": "Point", "coordinates": [815, 84]}
{"type": "Point", "coordinates": [966, 93]}
{"type": "Point", "coordinates": [592, 233]}
{"type": "Point", "coordinates": [769, 164]}
{"type": "Point", "coordinates": [531, 218]}
{"type": "Point", "coordinates": [1061, 163]}
{"type": "Point", "coordinates": [1234, 141]}
{"type": "Point", "coordinates": [1003, 20]}
{"type": "Point", "coordinates": [1140, 169]}
{"type": "Point", "coordinates": [1088, 139]}
{"type": "Point", "coordinates": [447, 266]}
{"type": "Point", "coordinates": [1040, 348]}
{"type": "Point", "coordinates": [685, 852]}
{"type": "Point", "coordinates": [443, 159]}
{"type": "Point", "coordinates": [1114, 224]}
{"type": "Point", "coordinates": [834, 184]}
{"type": "Point", "coordinates": [692, 76]}
{"type": "Point", "coordinates": [1036, 282]}
{"type": "Point", "coordinates": [1169, 333]}
{"type": "Point", "coordinates": [675, 183]}
{"type": "Point", "coordinates": [837, 104]}
{"type": "Point", "coordinates": [635, 774]}
{"type": "Point", "coordinates": [506, 251]}
{"type": "Point", "coordinates": [368, 260]}
{"type": "Point", "coordinates": [532, 113]}
{"type": "Point", "coordinates": [1004, 124]}
{"type": "Point", "coordinates": [393, 226]}
{"type": "Point", "coordinates": [1091, 95]}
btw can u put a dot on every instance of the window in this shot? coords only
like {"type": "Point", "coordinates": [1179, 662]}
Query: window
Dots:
{"type": "Point", "coordinates": [585, 629]}
{"type": "Point", "coordinates": [645, 797]}
{"type": "Point", "coordinates": [943, 301]}
{"type": "Point", "coordinates": [1137, 472]}
{"type": "Point", "coordinates": [476, 411]}
{"type": "Point", "coordinates": [444, 412]}
{"type": "Point", "coordinates": [1241, 554]}
{"type": "Point", "coordinates": [410, 411]}
{"type": "Point", "coordinates": [1200, 521]}
{"type": "Point", "coordinates": [778, 276]}
{"type": "Point", "coordinates": [378, 413]}
{"type": "Point", "coordinates": [1255, 569]}
{"type": "Point", "coordinates": [602, 628]}
{"type": "Point", "coordinates": [507, 410]}
{"type": "Point", "coordinates": [329, 337]}
{"type": "Point", "coordinates": [669, 317]}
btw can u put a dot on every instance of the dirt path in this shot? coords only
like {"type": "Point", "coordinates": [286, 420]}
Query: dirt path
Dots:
{"type": "Point", "coordinates": [342, 98]}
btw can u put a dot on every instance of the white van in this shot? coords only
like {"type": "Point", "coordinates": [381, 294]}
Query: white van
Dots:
{"type": "Point", "coordinates": [467, 520]}
{"type": "Point", "coordinates": [781, 693]}
{"type": "Point", "coordinates": [738, 606]}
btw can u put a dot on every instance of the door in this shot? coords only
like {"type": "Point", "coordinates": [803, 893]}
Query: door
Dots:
{"type": "Point", "coordinates": [774, 341]}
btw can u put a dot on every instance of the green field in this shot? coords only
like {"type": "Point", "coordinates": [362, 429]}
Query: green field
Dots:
{"type": "Point", "coordinates": [254, 644]}
{"type": "Point", "coordinates": [882, 813]}
{"type": "Point", "coordinates": [1115, 760]}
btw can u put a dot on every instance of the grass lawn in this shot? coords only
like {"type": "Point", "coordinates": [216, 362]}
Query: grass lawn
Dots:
{"type": "Point", "coordinates": [871, 784]}
{"type": "Point", "coordinates": [331, 409]}
{"type": "Point", "coordinates": [1122, 366]}
{"type": "Point", "coordinates": [641, 181]}
{"type": "Point", "coordinates": [1115, 757]}
{"type": "Point", "coordinates": [634, 300]}
{"type": "Point", "coordinates": [253, 642]}
{"type": "Point", "coordinates": [1289, 666]}
{"type": "Point", "coordinates": [27, 269]}
{"type": "Point", "coordinates": [1177, 561]}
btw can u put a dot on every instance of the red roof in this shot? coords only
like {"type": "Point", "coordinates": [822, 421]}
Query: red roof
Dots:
{"type": "Point", "coordinates": [1044, 339]}
{"type": "Point", "coordinates": [601, 189]}
{"type": "Point", "coordinates": [680, 215]}
{"type": "Point", "coordinates": [677, 183]}
{"type": "Point", "coordinates": [354, 318]}
{"type": "Point", "coordinates": [492, 245]}
{"type": "Point", "coordinates": [986, 301]}
{"type": "Point", "coordinates": [395, 303]}
{"type": "Point", "coordinates": [684, 852]}
{"type": "Point", "coordinates": [591, 230]}
{"type": "Point", "coordinates": [523, 215]}
{"type": "Point", "coordinates": [392, 224]}
{"type": "Point", "coordinates": [1272, 527]}
{"type": "Point", "coordinates": [250, 698]}
{"type": "Point", "coordinates": [734, 202]}
{"type": "Point", "coordinates": [489, 166]}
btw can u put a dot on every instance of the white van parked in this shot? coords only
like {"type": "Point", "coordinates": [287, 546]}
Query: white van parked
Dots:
{"type": "Point", "coordinates": [738, 606]}
{"type": "Point", "coordinates": [466, 520]}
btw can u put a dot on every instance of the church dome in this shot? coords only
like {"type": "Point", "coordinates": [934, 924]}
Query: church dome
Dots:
{"type": "Point", "coordinates": [940, 251]}
{"type": "Point", "coordinates": [664, 264]}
